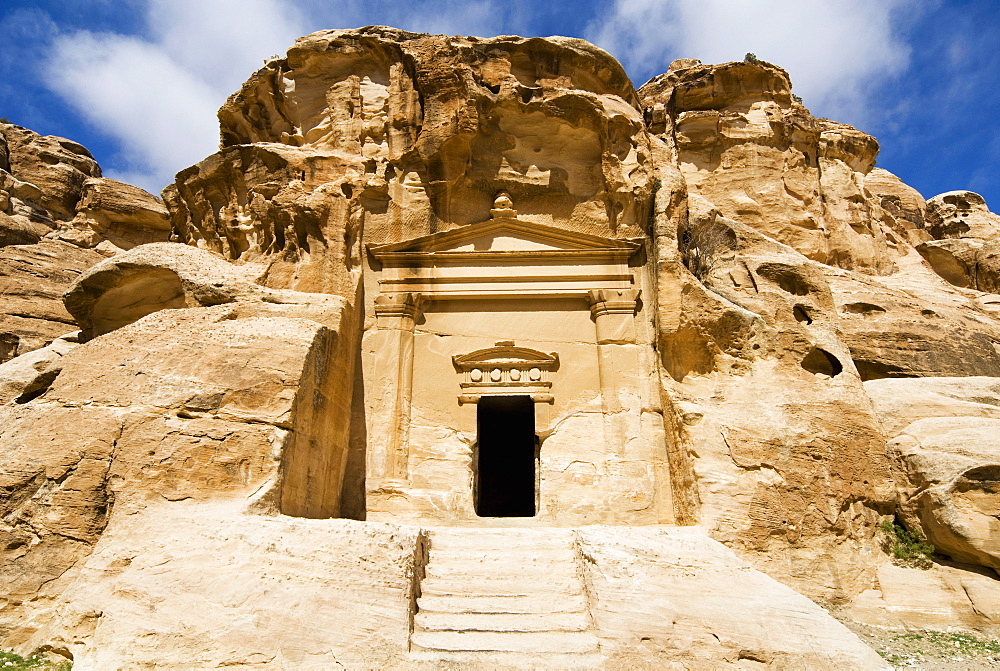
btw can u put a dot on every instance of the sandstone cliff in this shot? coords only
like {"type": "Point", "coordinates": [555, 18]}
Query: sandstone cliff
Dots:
{"type": "Point", "coordinates": [55, 212]}
{"type": "Point", "coordinates": [719, 313]}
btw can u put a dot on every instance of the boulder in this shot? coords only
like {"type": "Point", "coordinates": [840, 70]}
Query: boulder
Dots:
{"type": "Point", "coordinates": [943, 442]}
{"type": "Point", "coordinates": [953, 473]}
{"type": "Point", "coordinates": [211, 404]}
{"type": "Point", "coordinates": [961, 214]}
{"type": "Point", "coordinates": [120, 213]}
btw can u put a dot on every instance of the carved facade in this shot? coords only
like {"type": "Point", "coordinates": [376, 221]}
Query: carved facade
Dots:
{"type": "Point", "coordinates": [510, 308]}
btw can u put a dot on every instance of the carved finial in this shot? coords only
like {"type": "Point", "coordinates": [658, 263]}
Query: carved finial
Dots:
{"type": "Point", "coordinates": [503, 207]}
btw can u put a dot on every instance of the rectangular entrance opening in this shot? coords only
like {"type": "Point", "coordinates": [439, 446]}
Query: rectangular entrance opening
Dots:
{"type": "Point", "coordinates": [505, 464]}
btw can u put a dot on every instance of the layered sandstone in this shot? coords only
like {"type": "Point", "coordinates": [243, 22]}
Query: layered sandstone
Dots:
{"type": "Point", "coordinates": [964, 249]}
{"type": "Point", "coordinates": [692, 305]}
{"type": "Point", "coordinates": [58, 217]}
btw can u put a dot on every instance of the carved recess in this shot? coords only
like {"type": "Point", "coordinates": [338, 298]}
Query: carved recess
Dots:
{"type": "Point", "coordinates": [506, 369]}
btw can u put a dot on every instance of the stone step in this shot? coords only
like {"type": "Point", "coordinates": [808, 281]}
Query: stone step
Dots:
{"type": "Point", "coordinates": [461, 584]}
{"type": "Point", "coordinates": [501, 558]}
{"type": "Point", "coordinates": [502, 531]}
{"type": "Point", "coordinates": [507, 555]}
{"type": "Point", "coordinates": [504, 603]}
{"type": "Point", "coordinates": [501, 541]}
{"type": "Point", "coordinates": [525, 642]}
{"type": "Point", "coordinates": [430, 621]}
{"type": "Point", "coordinates": [504, 661]}
{"type": "Point", "coordinates": [537, 573]}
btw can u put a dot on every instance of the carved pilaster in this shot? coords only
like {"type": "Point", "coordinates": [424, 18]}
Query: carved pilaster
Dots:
{"type": "Point", "coordinates": [613, 311]}
{"type": "Point", "coordinates": [397, 316]}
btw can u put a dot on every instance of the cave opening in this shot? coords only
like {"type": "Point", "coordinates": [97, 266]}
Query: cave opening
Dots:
{"type": "Point", "coordinates": [505, 457]}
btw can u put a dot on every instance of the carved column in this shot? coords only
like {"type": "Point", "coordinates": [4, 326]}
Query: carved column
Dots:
{"type": "Point", "coordinates": [397, 316]}
{"type": "Point", "coordinates": [613, 311]}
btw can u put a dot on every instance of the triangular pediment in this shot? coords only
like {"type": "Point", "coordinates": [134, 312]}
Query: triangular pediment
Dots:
{"type": "Point", "coordinates": [505, 236]}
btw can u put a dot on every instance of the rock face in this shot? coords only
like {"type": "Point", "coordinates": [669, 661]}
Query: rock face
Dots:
{"type": "Point", "coordinates": [966, 245]}
{"type": "Point", "coordinates": [474, 297]}
{"type": "Point", "coordinates": [58, 217]}
{"type": "Point", "coordinates": [944, 439]}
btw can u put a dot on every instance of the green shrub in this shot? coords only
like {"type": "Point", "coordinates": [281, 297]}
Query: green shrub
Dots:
{"type": "Point", "coordinates": [907, 547]}
{"type": "Point", "coordinates": [797, 99]}
{"type": "Point", "coordinates": [13, 662]}
{"type": "Point", "coordinates": [751, 58]}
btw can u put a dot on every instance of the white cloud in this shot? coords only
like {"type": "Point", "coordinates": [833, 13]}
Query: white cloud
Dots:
{"type": "Point", "coordinates": [834, 50]}
{"type": "Point", "coordinates": [223, 41]}
{"type": "Point", "coordinates": [163, 115]}
{"type": "Point", "coordinates": [158, 96]}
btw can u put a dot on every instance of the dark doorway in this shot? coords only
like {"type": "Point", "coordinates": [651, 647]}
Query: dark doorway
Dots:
{"type": "Point", "coordinates": [505, 465]}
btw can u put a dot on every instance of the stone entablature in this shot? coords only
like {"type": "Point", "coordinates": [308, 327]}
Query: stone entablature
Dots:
{"type": "Point", "coordinates": [505, 256]}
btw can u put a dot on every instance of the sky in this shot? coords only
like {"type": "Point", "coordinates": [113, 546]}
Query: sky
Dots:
{"type": "Point", "coordinates": [138, 82]}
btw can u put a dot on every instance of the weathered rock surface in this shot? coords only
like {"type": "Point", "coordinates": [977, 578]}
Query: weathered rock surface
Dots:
{"type": "Point", "coordinates": [46, 174]}
{"type": "Point", "coordinates": [394, 133]}
{"type": "Point", "coordinates": [966, 245]}
{"type": "Point", "coordinates": [32, 373]}
{"type": "Point", "coordinates": [58, 217]}
{"type": "Point", "coordinates": [32, 281]}
{"type": "Point", "coordinates": [946, 596]}
{"type": "Point", "coordinates": [185, 404]}
{"type": "Point", "coordinates": [237, 589]}
{"type": "Point", "coordinates": [683, 305]}
{"type": "Point", "coordinates": [120, 213]}
{"type": "Point", "coordinates": [161, 276]}
{"type": "Point", "coordinates": [743, 144]}
{"type": "Point", "coordinates": [943, 436]}
{"type": "Point", "coordinates": [907, 207]}
{"type": "Point", "coordinates": [961, 214]}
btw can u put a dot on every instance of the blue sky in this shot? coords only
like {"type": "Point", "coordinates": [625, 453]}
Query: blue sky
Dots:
{"type": "Point", "coordinates": [138, 81]}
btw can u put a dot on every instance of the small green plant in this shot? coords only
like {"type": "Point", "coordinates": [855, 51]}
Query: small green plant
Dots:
{"type": "Point", "coordinates": [4, 119]}
{"type": "Point", "coordinates": [915, 647]}
{"type": "Point", "coordinates": [907, 547]}
{"type": "Point", "coordinates": [14, 662]}
{"type": "Point", "coordinates": [751, 58]}
{"type": "Point", "coordinates": [797, 99]}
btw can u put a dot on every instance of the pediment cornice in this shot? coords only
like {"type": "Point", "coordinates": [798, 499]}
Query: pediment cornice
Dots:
{"type": "Point", "coordinates": [553, 242]}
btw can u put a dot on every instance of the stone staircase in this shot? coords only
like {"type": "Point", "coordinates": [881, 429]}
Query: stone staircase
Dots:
{"type": "Point", "coordinates": [504, 596]}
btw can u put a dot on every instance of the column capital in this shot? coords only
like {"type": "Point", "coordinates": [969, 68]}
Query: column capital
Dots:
{"type": "Point", "coordinates": [613, 302]}
{"type": "Point", "coordinates": [406, 306]}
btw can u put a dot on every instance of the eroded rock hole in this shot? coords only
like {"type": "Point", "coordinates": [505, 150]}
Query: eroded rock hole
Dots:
{"type": "Point", "coordinates": [786, 277]}
{"type": "Point", "coordinates": [821, 362]}
{"type": "Point", "coordinates": [866, 309]}
{"type": "Point", "coordinates": [38, 386]}
{"type": "Point", "coordinates": [801, 314]}
{"type": "Point", "coordinates": [505, 458]}
{"type": "Point", "coordinates": [878, 370]}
